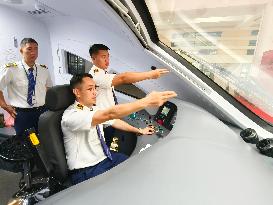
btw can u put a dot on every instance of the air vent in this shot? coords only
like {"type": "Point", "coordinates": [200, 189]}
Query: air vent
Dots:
{"type": "Point", "coordinates": [41, 9]}
{"type": "Point", "coordinates": [38, 12]}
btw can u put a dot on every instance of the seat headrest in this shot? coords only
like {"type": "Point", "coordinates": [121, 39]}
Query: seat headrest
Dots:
{"type": "Point", "coordinates": [59, 97]}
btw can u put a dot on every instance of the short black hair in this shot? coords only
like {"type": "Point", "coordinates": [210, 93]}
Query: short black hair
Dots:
{"type": "Point", "coordinates": [27, 40]}
{"type": "Point", "coordinates": [77, 79]}
{"type": "Point", "coordinates": [95, 48]}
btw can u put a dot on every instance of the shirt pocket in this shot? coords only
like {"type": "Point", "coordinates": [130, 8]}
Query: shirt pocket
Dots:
{"type": "Point", "coordinates": [41, 82]}
{"type": "Point", "coordinates": [40, 86]}
{"type": "Point", "coordinates": [21, 83]}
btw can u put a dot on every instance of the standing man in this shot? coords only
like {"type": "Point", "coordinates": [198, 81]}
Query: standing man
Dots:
{"type": "Point", "coordinates": [26, 83]}
{"type": "Point", "coordinates": [86, 152]}
{"type": "Point", "coordinates": [106, 82]}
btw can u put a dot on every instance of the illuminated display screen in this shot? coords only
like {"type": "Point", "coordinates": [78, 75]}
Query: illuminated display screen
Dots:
{"type": "Point", "coordinates": [165, 110]}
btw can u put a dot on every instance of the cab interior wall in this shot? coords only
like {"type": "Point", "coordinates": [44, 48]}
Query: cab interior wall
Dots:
{"type": "Point", "coordinates": [102, 24]}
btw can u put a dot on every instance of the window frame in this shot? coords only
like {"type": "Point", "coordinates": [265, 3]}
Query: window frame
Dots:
{"type": "Point", "coordinates": [146, 17]}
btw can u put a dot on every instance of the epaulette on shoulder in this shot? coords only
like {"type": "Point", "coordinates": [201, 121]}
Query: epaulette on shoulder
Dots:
{"type": "Point", "coordinates": [96, 70]}
{"type": "Point", "coordinates": [9, 65]}
{"type": "Point", "coordinates": [43, 66]}
{"type": "Point", "coordinates": [79, 106]}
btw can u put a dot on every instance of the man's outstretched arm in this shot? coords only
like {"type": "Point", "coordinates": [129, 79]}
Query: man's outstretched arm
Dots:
{"type": "Point", "coordinates": [154, 99]}
{"type": "Point", "coordinates": [133, 77]}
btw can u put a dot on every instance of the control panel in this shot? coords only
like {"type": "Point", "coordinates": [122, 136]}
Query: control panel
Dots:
{"type": "Point", "coordinates": [163, 121]}
{"type": "Point", "coordinates": [165, 115]}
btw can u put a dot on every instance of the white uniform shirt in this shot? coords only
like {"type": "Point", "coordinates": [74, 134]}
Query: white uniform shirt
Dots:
{"type": "Point", "coordinates": [82, 144]}
{"type": "Point", "coordinates": [105, 98]}
{"type": "Point", "coordinates": [15, 79]}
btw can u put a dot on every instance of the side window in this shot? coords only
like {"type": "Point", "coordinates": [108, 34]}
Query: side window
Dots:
{"type": "Point", "coordinates": [76, 64]}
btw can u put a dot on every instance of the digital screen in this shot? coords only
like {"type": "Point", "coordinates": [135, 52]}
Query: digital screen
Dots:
{"type": "Point", "coordinates": [165, 110]}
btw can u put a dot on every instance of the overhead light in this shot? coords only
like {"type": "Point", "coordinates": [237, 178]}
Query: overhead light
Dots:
{"type": "Point", "coordinates": [14, 1]}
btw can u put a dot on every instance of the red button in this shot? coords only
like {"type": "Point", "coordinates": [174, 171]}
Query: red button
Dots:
{"type": "Point", "coordinates": [160, 122]}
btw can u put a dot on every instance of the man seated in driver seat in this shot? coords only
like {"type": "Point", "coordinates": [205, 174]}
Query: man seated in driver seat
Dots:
{"type": "Point", "coordinates": [86, 151]}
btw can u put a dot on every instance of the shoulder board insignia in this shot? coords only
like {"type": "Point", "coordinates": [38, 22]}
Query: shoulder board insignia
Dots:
{"type": "Point", "coordinates": [79, 106]}
{"type": "Point", "coordinates": [8, 65]}
{"type": "Point", "coordinates": [114, 144]}
{"type": "Point", "coordinates": [43, 66]}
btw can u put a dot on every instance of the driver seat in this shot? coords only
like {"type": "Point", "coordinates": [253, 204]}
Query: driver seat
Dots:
{"type": "Point", "coordinates": [51, 149]}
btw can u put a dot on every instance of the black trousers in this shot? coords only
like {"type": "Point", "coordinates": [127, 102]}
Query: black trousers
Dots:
{"type": "Point", "coordinates": [80, 175]}
{"type": "Point", "coordinates": [27, 118]}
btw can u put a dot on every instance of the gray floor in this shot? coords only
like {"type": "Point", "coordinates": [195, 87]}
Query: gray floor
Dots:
{"type": "Point", "coordinates": [8, 185]}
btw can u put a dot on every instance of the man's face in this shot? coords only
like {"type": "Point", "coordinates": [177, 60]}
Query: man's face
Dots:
{"type": "Point", "coordinates": [86, 92]}
{"type": "Point", "coordinates": [101, 59]}
{"type": "Point", "coordinates": [29, 52]}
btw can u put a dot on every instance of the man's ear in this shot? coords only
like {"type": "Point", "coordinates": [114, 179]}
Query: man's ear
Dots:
{"type": "Point", "coordinates": [76, 92]}
{"type": "Point", "coordinates": [93, 57]}
{"type": "Point", "coordinates": [21, 50]}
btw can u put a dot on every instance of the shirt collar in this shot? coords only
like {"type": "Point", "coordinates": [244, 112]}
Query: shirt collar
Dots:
{"type": "Point", "coordinates": [26, 66]}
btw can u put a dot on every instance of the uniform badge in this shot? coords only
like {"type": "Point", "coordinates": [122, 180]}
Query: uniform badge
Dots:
{"type": "Point", "coordinates": [43, 66]}
{"type": "Point", "coordinates": [9, 65]}
{"type": "Point", "coordinates": [114, 144]}
{"type": "Point", "coordinates": [79, 106]}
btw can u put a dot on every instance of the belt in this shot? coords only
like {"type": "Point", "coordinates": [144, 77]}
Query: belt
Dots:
{"type": "Point", "coordinates": [30, 109]}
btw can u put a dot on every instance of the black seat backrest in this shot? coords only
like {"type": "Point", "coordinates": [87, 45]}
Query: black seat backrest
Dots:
{"type": "Point", "coordinates": [52, 151]}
